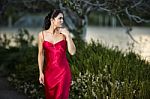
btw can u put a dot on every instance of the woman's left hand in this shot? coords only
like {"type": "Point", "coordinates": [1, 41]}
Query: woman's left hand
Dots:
{"type": "Point", "coordinates": [64, 31]}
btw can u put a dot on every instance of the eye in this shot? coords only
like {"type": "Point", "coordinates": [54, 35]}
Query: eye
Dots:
{"type": "Point", "coordinates": [60, 17]}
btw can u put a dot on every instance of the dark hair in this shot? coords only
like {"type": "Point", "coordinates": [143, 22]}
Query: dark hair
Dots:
{"type": "Point", "coordinates": [50, 15]}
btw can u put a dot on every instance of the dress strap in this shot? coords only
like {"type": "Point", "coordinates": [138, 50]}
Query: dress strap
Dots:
{"type": "Point", "coordinates": [43, 35]}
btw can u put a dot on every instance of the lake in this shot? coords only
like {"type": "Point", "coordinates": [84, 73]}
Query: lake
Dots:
{"type": "Point", "coordinates": [111, 37]}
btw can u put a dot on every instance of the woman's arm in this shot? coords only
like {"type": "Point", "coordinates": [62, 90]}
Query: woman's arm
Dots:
{"type": "Point", "coordinates": [40, 58]}
{"type": "Point", "coordinates": [40, 53]}
{"type": "Point", "coordinates": [70, 43]}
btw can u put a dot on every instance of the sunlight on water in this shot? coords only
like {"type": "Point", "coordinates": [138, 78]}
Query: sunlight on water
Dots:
{"type": "Point", "coordinates": [118, 37]}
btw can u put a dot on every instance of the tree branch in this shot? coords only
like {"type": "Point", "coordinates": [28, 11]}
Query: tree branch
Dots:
{"type": "Point", "coordinates": [136, 4]}
{"type": "Point", "coordinates": [136, 18]}
{"type": "Point", "coordinates": [128, 30]}
{"type": "Point", "coordinates": [98, 5]}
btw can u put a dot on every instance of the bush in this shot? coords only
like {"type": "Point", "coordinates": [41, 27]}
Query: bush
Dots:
{"type": "Point", "coordinates": [98, 72]}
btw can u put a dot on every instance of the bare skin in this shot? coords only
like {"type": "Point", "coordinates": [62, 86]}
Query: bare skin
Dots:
{"type": "Point", "coordinates": [53, 37]}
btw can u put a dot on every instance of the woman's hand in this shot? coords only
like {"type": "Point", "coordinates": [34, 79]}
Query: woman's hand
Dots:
{"type": "Point", "coordinates": [41, 78]}
{"type": "Point", "coordinates": [64, 31]}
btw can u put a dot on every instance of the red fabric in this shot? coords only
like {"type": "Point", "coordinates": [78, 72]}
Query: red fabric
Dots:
{"type": "Point", "coordinates": [57, 74]}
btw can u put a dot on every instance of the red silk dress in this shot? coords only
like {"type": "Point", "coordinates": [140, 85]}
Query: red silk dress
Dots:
{"type": "Point", "coordinates": [57, 74]}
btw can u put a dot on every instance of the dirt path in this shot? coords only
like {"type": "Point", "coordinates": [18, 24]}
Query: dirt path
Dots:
{"type": "Point", "coordinates": [7, 92]}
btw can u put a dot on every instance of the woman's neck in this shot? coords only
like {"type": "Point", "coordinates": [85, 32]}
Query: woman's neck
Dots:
{"type": "Point", "coordinates": [51, 29]}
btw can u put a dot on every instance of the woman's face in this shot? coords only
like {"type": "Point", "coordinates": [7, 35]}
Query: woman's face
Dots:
{"type": "Point", "coordinates": [58, 21]}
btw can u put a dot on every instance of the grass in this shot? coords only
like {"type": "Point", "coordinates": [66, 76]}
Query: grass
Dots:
{"type": "Point", "coordinates": [98, 72]}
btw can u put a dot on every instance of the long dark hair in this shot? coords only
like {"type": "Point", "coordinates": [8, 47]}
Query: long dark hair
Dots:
{"type": "Point", "coordinates": [51, 14]}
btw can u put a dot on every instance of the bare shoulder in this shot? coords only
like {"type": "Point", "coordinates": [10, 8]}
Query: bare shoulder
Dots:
{"type": "Point", "coordinates": [40, 35]}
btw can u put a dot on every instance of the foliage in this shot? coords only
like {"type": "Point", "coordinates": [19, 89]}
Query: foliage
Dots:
{"type": "Point", "coordinates": [98, 72]}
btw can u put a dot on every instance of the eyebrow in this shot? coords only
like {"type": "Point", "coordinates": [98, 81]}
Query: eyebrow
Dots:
{"type": "Point", "coordinates": [61, 17]}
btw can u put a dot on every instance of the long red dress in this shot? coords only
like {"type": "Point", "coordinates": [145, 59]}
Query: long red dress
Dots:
{"type": "Point", "coordinates": [57, 74]}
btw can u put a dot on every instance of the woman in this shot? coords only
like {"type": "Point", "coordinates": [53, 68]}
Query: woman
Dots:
{"type": "Point", "coordinates": [55, 74]}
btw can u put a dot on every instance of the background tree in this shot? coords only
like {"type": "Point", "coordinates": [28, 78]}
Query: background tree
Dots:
{"type": "Point", "coordinates": [77, 11]}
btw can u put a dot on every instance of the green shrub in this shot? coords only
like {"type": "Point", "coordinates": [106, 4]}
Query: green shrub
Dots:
{"type": "Point", "coordinates": [98, 72]}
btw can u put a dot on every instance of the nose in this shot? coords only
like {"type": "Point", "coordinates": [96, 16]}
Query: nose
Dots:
{"type": "Point", "coordinates": [61, 21]}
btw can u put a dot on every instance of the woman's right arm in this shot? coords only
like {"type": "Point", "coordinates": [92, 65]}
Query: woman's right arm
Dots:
{"type": "Point", "coordinates": [40, 58]}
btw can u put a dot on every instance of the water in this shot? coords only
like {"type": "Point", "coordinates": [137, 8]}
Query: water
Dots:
{"type": "Point", "coordinates": [110, 37]}
{"type": "Point", "coordinates": [118, 37]}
